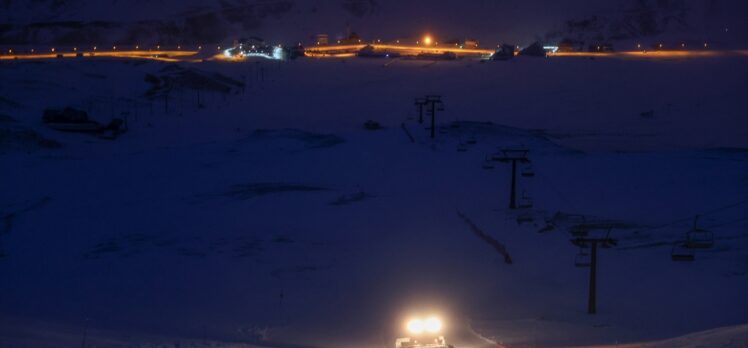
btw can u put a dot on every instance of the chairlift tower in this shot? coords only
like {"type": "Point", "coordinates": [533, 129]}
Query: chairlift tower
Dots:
{"type": "Point", "coordinates": [513, 156]}
{"type": "Point", "coordinates": [436, 105]}
{"type": "Point", "coordinates": [420, 103]}
{"type": "Point", "coordinates": [592, 243]}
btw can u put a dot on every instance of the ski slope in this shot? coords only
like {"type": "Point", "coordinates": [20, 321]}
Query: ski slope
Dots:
{"type": "Point", "coordinates": [270, 217]}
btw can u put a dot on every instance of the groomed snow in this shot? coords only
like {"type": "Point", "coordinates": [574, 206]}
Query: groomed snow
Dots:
{"type": "Point", "coordinates": [196, 229]}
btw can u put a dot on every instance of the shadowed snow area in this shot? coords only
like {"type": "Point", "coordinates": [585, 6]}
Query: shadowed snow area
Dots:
{"type": "Point", "coordinates": [266, 215]}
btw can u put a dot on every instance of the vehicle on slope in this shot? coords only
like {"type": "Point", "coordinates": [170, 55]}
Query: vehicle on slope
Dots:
{"type": "Point", "coordinates": [423, 333]}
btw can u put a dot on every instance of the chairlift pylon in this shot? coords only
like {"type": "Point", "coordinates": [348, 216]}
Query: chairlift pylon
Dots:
{"type": "Point", "coordinates": [507, 154]}
{"type": "Point", "coordinates": [579, 230]}
{"type": "Point", "coordinates": [611, 244]}
{"type": "Point", "coordinates": [583, 259]}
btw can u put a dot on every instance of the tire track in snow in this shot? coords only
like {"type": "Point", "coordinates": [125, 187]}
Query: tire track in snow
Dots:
{"type": "Point", "coordinates": [500, 248]}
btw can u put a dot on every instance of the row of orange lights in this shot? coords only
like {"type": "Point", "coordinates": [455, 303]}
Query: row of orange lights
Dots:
{"type": "Point", "coordinates": [96, 48]}
{"type": "Point", "coordinates": [660, 45]}
{"type": "Point", "coordinates": [427, 40]}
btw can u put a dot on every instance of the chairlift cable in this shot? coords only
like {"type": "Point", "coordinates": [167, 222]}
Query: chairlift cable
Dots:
{"type": "Point", "coordinates": [690, 218]}
{"type": "Point", "coordinates": [558, 192]}
{"type": "Point", "coordinates": [729, 223]}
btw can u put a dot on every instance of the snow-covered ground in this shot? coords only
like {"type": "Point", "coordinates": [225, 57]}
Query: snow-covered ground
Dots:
{"type": "Point", "coordinates": [270, 217]}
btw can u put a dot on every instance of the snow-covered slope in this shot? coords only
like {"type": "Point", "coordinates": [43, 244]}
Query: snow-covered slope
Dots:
{"type": "Point", "coordinates": [269, 216]}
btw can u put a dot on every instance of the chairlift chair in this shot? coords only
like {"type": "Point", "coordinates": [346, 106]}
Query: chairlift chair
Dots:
{"type": "Point", "coordinates": [681, 252]}
{"type": "Point", "coordinates": [698, 238]}
{"type": "Point", "coordinates": [525, 202]}
{"type": "Point", "coordinates": [487, 163]}
{"type": "Point", "coordinates": [528, 171]}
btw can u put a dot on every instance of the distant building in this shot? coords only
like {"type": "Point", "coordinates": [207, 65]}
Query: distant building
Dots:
{"type": "Point", "coordinates": [252, 41]}
{"type": "Point", "coordinates": [466, 43]}
{"type": "Point", "coordinates": [569, 45]}
{"type": "Point", "coordinates": [601, 47]}
{"type": "Point", "coordinates": [321, 39]}
{"type": "Point", "coordinates": [470, 43]}
{"type": "Point", "coordinates": [352, 39]}
{"type": "Point", "coordinates": [295, 52]}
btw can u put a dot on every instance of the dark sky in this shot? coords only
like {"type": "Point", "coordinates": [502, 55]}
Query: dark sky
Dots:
{"type": "Point", "coordinates": [490, 21]}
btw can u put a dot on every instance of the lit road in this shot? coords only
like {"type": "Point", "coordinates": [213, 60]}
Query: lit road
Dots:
{"type": "Point", "coordinates": [346, 50]}
{"type": "Point", "coordinates": [648, 54]}
{"type": "Point", "coordinates": [166, 56]}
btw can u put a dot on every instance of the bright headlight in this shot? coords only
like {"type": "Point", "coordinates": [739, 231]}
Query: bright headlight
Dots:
{"type": "Point", "coordinates": [416, 326]}
{"type": "Point", "coordinates": [433, 325]}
